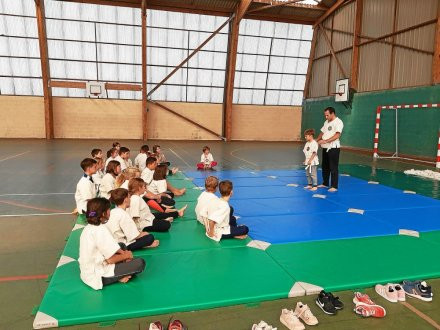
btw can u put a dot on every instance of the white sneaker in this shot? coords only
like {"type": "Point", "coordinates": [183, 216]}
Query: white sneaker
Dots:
{"type": "Point", "coordinates": [304, 313]}
{"type": "Point", "coordinates": [291, 321]}
{"type": "Point", "coordinates": [262, 326]}
{"type": "Point", "coordinates": [387, 291]}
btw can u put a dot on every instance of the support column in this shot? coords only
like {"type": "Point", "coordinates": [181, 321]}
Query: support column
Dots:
{"type": "Point", "coordinates": [310, 66]}
{"type": "Point", "coordinates": [45, 69]}
{"type": "Point", "coordinates": [436, 58]}
{"type": "Point", "coordinates": [144, 70]}
{"type": "Point", "coordinates": [356, 38]}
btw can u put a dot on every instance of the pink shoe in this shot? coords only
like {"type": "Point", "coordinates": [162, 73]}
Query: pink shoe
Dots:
{"type": "Point", "coordinates": [362, 299]}
{"type": "Point", "coordinates": [387, 291]}
{"type": "Point", "coordinates": [370, 310]}
{"type": "Point", "coordinates": [400, 292]}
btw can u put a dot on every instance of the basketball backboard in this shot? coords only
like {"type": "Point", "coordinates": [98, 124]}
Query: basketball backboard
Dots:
{"type": "Point", "coordinates": [342, 90]}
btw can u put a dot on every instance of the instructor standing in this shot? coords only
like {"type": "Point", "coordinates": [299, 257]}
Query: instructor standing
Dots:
{"type": "Point", "coordinates": [328, 139]}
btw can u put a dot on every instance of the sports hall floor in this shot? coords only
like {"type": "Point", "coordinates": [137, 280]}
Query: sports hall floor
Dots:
{"type": "Point", "coordinates": [48, 171]}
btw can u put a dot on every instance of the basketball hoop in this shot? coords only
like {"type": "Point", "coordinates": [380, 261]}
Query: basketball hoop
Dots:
{"type": "Point", "coordinates": [95, 89]}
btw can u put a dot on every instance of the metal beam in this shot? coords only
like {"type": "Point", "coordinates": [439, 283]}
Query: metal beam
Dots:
{"type": "Point", "coordinates": [355, 56]}
{"type": "Point", "coordinates": [82, 85]}
{"type": "Point", "coordinates": [144, 69]}
{"type": "Point", "coordinates": [230, 67]}
{"type": "Point", "coordinates": [186, 119]}
{"type": "Point", "coordinates": [328, 12]}
{"type": "Point", "coordinates": [45, 69]}
{"type": "Point", "coordinates": [190, 56]}
{"type": "Point", "coordinates": [333, 51]}
{"type": "Point", "coordinates": [436, 57]}
{"type": "Point", "coordinates": [310, 66]}
{"type": "Point", "coordinates": [279, 4]}
{"type": "Point", "coordinates": [392, 56]}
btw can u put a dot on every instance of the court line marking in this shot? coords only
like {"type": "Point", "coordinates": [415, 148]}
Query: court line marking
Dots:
{"type": "Point", "coordinates": [14, 156]}
{"type": "Point", "coordinates": [33, 214]}
{"type": "Point", "coordinates": [23, 278]}
{"type": "Point", "coordinates": [421, 315]}
{"type": "Point", "coordinates": [30, 206]}
{"type": "Point", "coordinates": [37, 194]}
{"type": "Point", "coordinates": [177, 155]}
{"type": "Point", "coordinates": [242, 159]}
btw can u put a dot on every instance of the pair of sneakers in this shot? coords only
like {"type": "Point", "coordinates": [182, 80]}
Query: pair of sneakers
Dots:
{"type": "Point", "coordinates": [292, 319]}
{"type": "Point", "coordinates": [418, 289]}
{"type": "Point", "coordinates": [366, 307]}
{"type": "Point", "coordinates": [329, 303]}
{"type": "Point", "coordinates": [172, 325]}
{"type": "Point", "coordinates": [263, 326]}
{"type": "Point", "coordinates": [391, 292]}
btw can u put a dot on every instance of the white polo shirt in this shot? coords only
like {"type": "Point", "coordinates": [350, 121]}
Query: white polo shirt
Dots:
{"type": "Point", "coordinates": [206, 159]}
{"type": "Point", "coordinates": [203, 202]}
{"type": "Point", "coordinates": [96, 245]}
{"type": "Point", "coordinates": [147, 175]}
{"type": "Point", "coordinates": [122, 226]}
{"type": "Point", "coordinates": [139, 209]}
{"type": "Point", "coordinates": [218, 211]}
{"type": "Point", "coordinates": [85, 190]}
{"type": "Point", "coordinates": [157, 187]}
{"type": "Point", "coordinates": [310, 148]}
{"type": "Point", "coordinates": [107, 185]}
{"type": "Point", "coordinates": [140, 161]}
{"type": "Point", "coordinates": [329, 129]}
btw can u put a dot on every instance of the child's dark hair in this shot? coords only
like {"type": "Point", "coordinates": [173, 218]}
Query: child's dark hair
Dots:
{"type": "Point", "coordinates": [145, 148]}
{"type": "Point", "coordinates": [123, 150]}
{"type": "Point", "coordinates": [206, 148]}
{"type": "Point", "coordinates": [309, 131]}
{"type": "Point", "coordinates": [96, 207]}
{"type": "Point", "coordinates": [134, 185]}
{"type": "Point", "coordinates": [155, 148]}
{"type": "Point", "coordinates": [115, 144]}
{"type": "Point", "coordinates": [87, 163]}
{"type": "Point", "coordinates": [118, 196]}
{"type": "Point", "coordinates": [211, 183]}
{"type": "Point", "coordinates": [150, 160]}
{"type": "Point", "coordinates": [160, 173]}
{"type": "Point", "coordinates": [110, 152]}
{"type": "Point", "coordinates": [95, 152]}
{"type": "Point", "coordinates": [225, 187]}
{"type": "Point", "coordinates": [111, 167]}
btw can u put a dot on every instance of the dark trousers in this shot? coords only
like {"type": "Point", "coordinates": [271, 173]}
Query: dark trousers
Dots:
{"type": "Point", "coordinates": [140, 243]}
{"type": "Point", "coordinates": [235, 229]}
{"type": "Point", "coordinates": [232, 218]}
{"type": "Point", "coordinates": [167, 201]}
{"type": "Point", "coordinates": [122, 269]}
{"type": "Point", "coordinates": [330, 167]}
{"type": "Point", "coordinates": [159, 224]}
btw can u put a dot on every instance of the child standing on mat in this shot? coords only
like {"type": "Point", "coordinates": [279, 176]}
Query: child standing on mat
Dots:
{"type": "Point", "coordinates": [206, 160]}
{"type": "Point", "coordinates": [85, 189]}
{"type": "Point", "coordinates": [205, 198]}
{"type": "Point", "coordinates": [122, 226]}
{"type": "Point", "coordinates": [311, 152]}
{"type": "Point", "coordinates": [219, 224]}
{"type": "Point", "coordinates": [102, 261]}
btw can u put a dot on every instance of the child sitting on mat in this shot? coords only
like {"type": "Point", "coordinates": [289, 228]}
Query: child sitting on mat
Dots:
{"type": "Point", "coordinates": [96, 154]}
{"type": "Point", "coordinates": [85, 189]}
{"type": "Point", "coordinates": [141, 158]}
{"type": "Point", "coordinates": [111, 155]}
{"type": "Point", "coordinates": [125, 176]}
{"type": "Point", "coordinates": [101, 260]}
{"type": "Point", "coordinates": [206, 160]}
{"type": "Point", "coordinates": [219, 224]}
{"type": "Point", "coordinates": [97, 177]}
{"type": "Point", "coordinates": [159, 186]}
{"type": "Point", "coordinates": [161, 160]}
{"type": "Point", "coordinates": [141, 214]}
{"type": "Point", "coordinates": [124, 158]}
{"type": "Point", "coordinates": [113, 169]}
{"type": "Point", "coordinates": [122, 226]}
{"type": "Point", "coordinates": [205, 198]}
{"type": "Point", "coordinates": [116, 145]}
{"type": "Point", "coordinates": [311, 152]}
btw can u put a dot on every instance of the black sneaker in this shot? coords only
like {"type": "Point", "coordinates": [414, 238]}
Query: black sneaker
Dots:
{"type": "Point", "coordinates": [323, 302]}
{"type": "Point", "coordinates": [335, 301]}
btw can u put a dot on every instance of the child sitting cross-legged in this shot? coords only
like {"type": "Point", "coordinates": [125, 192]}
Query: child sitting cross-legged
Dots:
{"type": "Point", "coordinates": [220, 224]}
{"type": "Point", "coordinates": [205, 198]}
{"type": "Point", "coordinates": [85, 189]}
{"type": "Point", "coordinates": [206, 160]}
{"type": "Point", "coordinates": [141, 214]}
{"type": "Point", "coordinates": [102, 260]}
{"type": "Point", "coordinates": [122, 226]}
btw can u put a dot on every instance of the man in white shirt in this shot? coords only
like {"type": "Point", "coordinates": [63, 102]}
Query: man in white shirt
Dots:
{"type": "Point", "coordinates": [328, 139]}
{"type": "Point", "coordinates": [85, 189]}
{"type": "Point", "coordinates": [206, 198]}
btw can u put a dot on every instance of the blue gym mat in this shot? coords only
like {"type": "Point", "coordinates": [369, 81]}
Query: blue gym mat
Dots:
{"type": "Point", "coordinates": [278, 213]}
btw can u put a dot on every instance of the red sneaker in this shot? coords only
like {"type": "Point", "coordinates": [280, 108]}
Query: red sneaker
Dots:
{"type": "Point", "coordinates": [362, 299]}
{"type": "Point", "coordinates": [370, 310]}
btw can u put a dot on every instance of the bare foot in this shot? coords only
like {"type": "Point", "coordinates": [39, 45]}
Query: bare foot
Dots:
{"type": "Point", "coordinates": [241, 236]}
{"type": "Point", "coordinates": [174, 170]}
{"type": "Point", "coordinates": [169, 219]}
{"type": "Point", "coordinates": [313, 188]}
{"type": "Point", "coordinates": [183, 190]}
{"type": "Point", "coordinates": [75, 212]}
{"type": "Point", "coordinates": [332, 190]}
{"type": "Point", "coordinates": [308, 187]}
{"type": "Point", "coordinates": [322, 186]}
{"type": "Point", "coordinates": [153, 245]}
{"type": "Point", "coordinates": [125, 279]}
{"type": "Point", "coordinates": [182, 211]}
{"type": "Point", "coordinates": [169, 210]}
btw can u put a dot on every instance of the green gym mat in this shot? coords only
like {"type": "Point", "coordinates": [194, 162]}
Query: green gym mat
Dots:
{"type": "Point", "coordinates": [171, 282]}
{"type": "Point", "coordinates": [357, 263]}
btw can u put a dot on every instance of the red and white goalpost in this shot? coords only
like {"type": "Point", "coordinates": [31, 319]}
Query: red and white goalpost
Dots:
{"type": "Point", "coordinates": [397, 108]}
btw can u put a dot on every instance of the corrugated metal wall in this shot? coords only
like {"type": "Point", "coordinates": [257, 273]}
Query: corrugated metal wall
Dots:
{"type": "Point", "coordinates": [381, 65]}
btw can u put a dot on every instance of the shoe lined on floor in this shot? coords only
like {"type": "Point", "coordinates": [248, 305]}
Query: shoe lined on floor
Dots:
{"type": "Point", "coordinates": [176, 325]}
{"type": "Point", "coordinates": [370, 310]}
{"type": "Point", "coordinates": [155, 326]}
{"type": "Point", "coordinates": [262, 326]}
{"type": "Point", "coordinates": [418, 289]}
{"type": "Point", "coordinates": [400, 292]}
{"type": "Point", "coordinates": [304, 313]}
{"type": "Point", "coordinates": [335, 301]}
{"type": "Point", "coordinates": [363, 299]}
{"type": "Point", "coordinates": [291, 321]}
{"type": "Point", "coordinates": [323, 301]}
{"type": "Point", "coordinates": [387, 291]}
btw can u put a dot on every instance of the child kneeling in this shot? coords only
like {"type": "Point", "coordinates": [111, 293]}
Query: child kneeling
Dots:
{"type": "Point", "coordinates": [220, 224]}
{"type": "Point", "coordinates": [101, 260]}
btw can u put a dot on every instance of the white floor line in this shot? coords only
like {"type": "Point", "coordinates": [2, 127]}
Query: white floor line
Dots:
{"type": "Point", "coordinates": [36, 194]}
{"type": "Point", "coordinates": [14, 156]}
{"type": "Point", "coordinates": [33, 214]}
{"type": "Point", "coordinates": [177, 155]}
